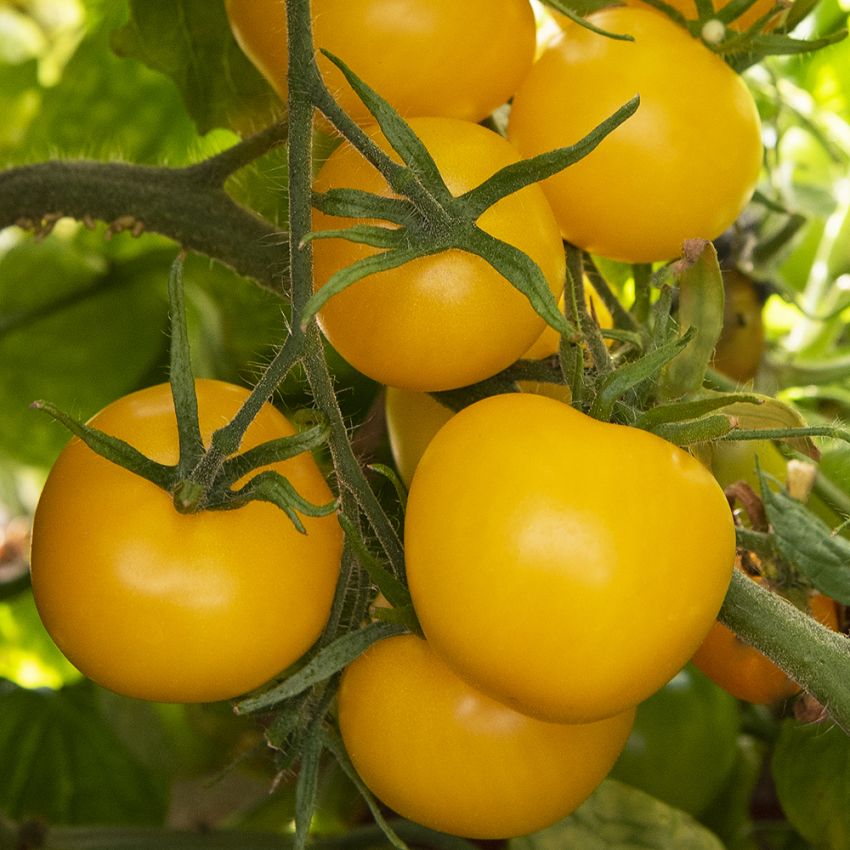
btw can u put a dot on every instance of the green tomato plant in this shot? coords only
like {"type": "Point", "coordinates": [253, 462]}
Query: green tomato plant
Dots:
{"type": "Point", "coordinates": [651, 371]}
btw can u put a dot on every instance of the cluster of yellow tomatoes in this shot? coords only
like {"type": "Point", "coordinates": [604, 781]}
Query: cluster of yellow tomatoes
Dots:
{"type": "Point", "coordinates": [562, 568]}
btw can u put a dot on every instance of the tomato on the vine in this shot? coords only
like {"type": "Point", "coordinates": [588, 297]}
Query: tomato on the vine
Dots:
{"type": "Point", "coordinates": [683, 166]}
{"type": "Point", "coordinates": [441, 753]}
{"type": "Point", "coordinates": [743, 670]}
{"type": "Point", "coordinates": [177, 607]}
{"type": "Point", "coordinates": [443, 58]}
{"type": "Point", "coordinates": [545, 554]}
{"type": "Point", "coordinates": [448, 319]}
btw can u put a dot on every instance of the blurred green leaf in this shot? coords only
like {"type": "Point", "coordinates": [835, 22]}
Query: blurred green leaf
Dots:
{"type": "Point", "coordinates": [63, 764]}
{"type": "Point", "coordinates": [28, 655]}
{"type": "Point", "coordinates": [811, 769]}
{"type": "Point", "coordinates": [617, 817]}
{"type": "Point", "coordinates": [76, 328]}
{"type": "Point", "coordinates": [190, 41]}
{"type": "Point", "coordinates": [106, 106]}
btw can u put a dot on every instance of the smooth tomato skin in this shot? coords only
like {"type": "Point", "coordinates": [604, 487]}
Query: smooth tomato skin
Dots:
{"type": "Point", "coordinates": [565, 566]}
{"type": "Point", "coordinates": [449, 319]}
{"type": "Point", "coordinates": [683, 746]}
{"type": "Point", "coordinates": [170, 607]}
{"type": "Point", "coordinates": [445, 755]}
{"type": "Point", "coordinates": [743, 671]}
{"type": "Point", "coordinates": [443, 58]}
{"type": "Point", "coordinates": [683, 166]}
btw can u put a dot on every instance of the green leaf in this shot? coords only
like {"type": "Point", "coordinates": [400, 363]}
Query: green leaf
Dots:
{"type": "Point", "coordinates": [807, 543]}
{"type": "Point", "coordinates": [811, 770]}
{"type": "Point", "coordinates": [323, 665]}
{"type": "Point", "coordinates": [62, 763]}
{"type": "Point", "coordinates": [47, 346]}
{"type": "Point", "coordinates": [700, 307]}
{"type": "Point", "coordinates": [190, 41]}
{"type": "Point", "coordinates": [617, 817]}
{"type": "Point", "coordinates": [129, 109]}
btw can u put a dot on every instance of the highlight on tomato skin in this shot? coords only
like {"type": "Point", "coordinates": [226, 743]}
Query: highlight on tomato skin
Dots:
{"type": "Point", "coordinates": [164, 606]}
{"type": "Point", "coordinates": [469, 57]}
{"type": "Point", "coordinates": [511, 532]}
{"type": "Point", "coordinates": [437, 751]}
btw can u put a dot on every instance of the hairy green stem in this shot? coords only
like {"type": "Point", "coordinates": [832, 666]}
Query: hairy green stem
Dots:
{"type": "Point", "coordinates": [812, 655]}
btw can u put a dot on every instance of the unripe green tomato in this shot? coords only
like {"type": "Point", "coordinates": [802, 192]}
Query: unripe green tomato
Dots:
{"type": "Point", "coordinates": [683, 744]}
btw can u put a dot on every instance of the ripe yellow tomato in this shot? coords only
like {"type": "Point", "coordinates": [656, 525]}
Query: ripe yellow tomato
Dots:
{"type": "Point", "coordinates": [449, 319]}
{"type": "Point", "coordinates": [459, 60]}
{"type": "Point", "coordinates": [445, 755]}
{"type": "Point", "coordinates": [173, 607]}
{"type": "Point", "coordinates": [565, 566]}
{"type": "Point", "coordinates": [743, 670]}
{"type": "Point", "coordinates": [683, 166]}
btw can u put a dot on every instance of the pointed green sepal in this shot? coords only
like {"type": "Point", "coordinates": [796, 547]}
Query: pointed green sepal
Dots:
{"type": "Point", "coordinates": [701, 430]}
{"type": "Point", "coordinates": [191, 445]}
{"type": "Point", "coordinates": [522, 273]}
{"type": "Point", "coordinates": [392, 476]}
{"type": "Point", "coordinates": [614, 385]}
{"type": "Point", "coordinates": [307, 788]}
{"type": "Point", "coordinates": [355, 203]}
{"type": "Point", "coordinates": [274, 451]}
{"type": "Point", "coordinates": [362, 234]}
{"type": "Point", "coordinates": [272, 487]}
{"type": "Point", "coordinates": [112, 449]}
{"type": "Point", "coordinates": [365, 266]}
{"type": "Point", "coordinates": [576, 10]}
{"type": "Point", "coordinates": [520, 174]}
{"type": "Point", "coordinates": [398, 133]}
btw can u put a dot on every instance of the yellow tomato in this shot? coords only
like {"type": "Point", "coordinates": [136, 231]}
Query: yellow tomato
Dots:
{"type": "Point", "coordinates": [440, 57]}
{"type": "Point", "coordinates": [683, 166]}
{"type": "Point", "coordinates": [437, 751]}
{"type": "Point", "coordinates": [449, 319]}
{"type": "Point", "coordinates": [565, 566]}
{"type": "Point", "coordinates": [178, 607]}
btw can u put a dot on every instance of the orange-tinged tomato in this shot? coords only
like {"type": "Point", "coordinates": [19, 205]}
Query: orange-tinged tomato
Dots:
{"type": "Point", "coordinates": [173, 607]}
{"type": "Point", "coordinates": [545, 555]}
{"type": "Point", "coordinates": [743, 670]}
{"type": "Point", "coordinates": [445, 755]}
{"type": "Point", "coordinates": [449, 319]}
{"type": "Point", "coordinates": [440, 57]}
{"type": "Point", "coordinates": [683, 166]}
